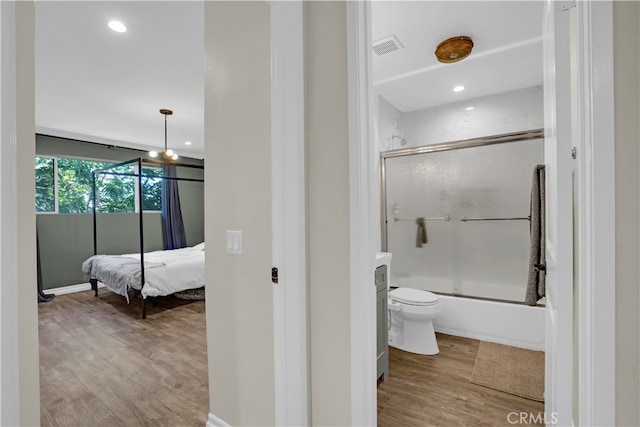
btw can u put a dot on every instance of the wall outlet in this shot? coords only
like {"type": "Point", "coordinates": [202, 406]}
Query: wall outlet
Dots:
{"type": "Point", "coordinates": [234, 242]}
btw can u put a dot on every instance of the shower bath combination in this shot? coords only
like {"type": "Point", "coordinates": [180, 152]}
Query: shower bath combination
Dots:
{"type": "Point", "coordinates": [456, 217]}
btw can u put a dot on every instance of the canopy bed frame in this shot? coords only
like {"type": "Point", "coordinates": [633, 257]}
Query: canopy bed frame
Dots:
{"type": "Point", "coordinates": [140, 161]}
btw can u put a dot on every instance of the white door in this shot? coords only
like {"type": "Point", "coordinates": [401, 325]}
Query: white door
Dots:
{"type": "Point", "coordinates": [559, 192]}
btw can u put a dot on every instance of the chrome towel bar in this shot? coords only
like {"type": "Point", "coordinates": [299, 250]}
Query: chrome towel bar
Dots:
{"type": "Point", "coordinates": [524, 218]}
{"type": "Point", "coordinates": [444, 218]}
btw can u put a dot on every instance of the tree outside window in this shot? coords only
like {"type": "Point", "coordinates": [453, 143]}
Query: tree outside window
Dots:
{"type": "Point", "coordinates": [114, 192]}
{"type": "Point", "coordinates": [45, 184]}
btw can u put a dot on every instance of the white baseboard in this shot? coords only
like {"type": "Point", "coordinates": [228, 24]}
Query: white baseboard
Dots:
{"type": "Point", "coordinates": [71, 289]}
{"type": "Point", "coordinates": [214, 421]}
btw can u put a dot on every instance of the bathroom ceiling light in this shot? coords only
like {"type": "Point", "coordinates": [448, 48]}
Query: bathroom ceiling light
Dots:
{"type": "Point", "coordinates": [117, 26]}
{"type": "Point", "coordinates": [167, 154]}
{"type": "Point", "coordinates": [187, 143]}
{"type": "Point", "coordinates": [458, 88]}
{"type": "Point", "coordinates": [469, 108]}
{"type": "Point", "coordinates": [454, 49]}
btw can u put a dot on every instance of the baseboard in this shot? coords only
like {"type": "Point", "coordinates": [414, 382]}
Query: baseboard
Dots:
{"type": "Point", "coordinates": [71, 289]}
{"type": "Point", "coordinates": [214, 421]}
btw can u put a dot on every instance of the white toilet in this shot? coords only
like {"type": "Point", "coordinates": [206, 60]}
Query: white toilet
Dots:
{"type": "Point", "coordinates": [411, 315]}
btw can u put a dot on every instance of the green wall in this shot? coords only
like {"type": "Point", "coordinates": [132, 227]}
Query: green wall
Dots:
{"type": "Point", "coordinates": [66, 240]}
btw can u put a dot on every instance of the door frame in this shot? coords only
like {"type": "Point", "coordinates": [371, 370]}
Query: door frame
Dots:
{"type": "Point", "coordinates": [596, 215]}
{"type": "Point", "coordinates": [364, 217]}
{"type": "Point", "coordinates": [288, 212]}
{"type": "Point", "coordinates": [596, 254]}
{"type": "Point", "coordinates": [20, 391]}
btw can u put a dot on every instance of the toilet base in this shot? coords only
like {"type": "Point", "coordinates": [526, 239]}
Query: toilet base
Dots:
{"type": "Point", "coordinates": [415, 337]}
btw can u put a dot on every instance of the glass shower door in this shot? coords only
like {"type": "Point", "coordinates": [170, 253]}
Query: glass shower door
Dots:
{"type": "Point", "coordinates": [475, 205]}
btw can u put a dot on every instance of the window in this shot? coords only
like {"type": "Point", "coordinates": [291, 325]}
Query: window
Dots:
{"type": "Point", "coordinates": [151, 189]}
{"type": "Point", "coordinates": [45, 184]}
{"type": "Point", "coordinates": [114, 192]}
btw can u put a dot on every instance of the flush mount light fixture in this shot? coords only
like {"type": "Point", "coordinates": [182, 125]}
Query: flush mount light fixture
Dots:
{"type": "Point", "coordinates": [454, 49]}
{"type": "Point", "coordinates": [469, 108]}
{"type": "Point", "coordinates": [117, 26]}
{"type": "Point", "coordinates": [187, 143]}
{"type": "Point", "coordinates": [167, 154]}
{"type": "Point", "coordinates": [458, 88]}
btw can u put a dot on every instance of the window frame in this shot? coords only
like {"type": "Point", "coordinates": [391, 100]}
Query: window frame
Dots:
{"type": "Point", "coordinates": [137, 173]}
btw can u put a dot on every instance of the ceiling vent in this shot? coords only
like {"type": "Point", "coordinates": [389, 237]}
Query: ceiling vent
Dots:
{"type": "Point", "coordinates": [387, 45]}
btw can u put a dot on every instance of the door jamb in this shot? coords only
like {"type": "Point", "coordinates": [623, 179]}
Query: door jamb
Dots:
{"type": "Point", "coordinates": [596, 216]}
{"type": "Point", "coordinates": [364, 214]}
{"type": "Point", "coordinates": [288, 210]}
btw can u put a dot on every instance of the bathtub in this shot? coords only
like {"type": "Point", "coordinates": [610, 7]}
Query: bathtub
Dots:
{"type": "Point", "coordinates": [504, 323]}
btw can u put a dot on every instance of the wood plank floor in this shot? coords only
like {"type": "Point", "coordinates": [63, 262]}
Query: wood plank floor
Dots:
{"type": "Point", "coordinates": [101, 365]}
{"type": "Point", "coordinates": [435, 390]}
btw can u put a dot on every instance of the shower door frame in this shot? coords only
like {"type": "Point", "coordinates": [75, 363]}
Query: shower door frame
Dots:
{"type": "Point", "coordinates": [444, 146]}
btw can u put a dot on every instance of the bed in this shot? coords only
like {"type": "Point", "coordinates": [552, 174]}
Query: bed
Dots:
{"type": "Point", "coordinates": [165, 272]}
{"type": "Point", "coordinates": [148, 274]}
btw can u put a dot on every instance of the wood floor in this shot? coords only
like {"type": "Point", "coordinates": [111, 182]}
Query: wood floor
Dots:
{"type": "Point", "coordinates": [435, 390]}
{"type": "Point", "coordinates": [101, 365]}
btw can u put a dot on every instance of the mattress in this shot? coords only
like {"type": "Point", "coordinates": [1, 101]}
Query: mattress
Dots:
{"type": "Point", "coordinates": [165, 272]}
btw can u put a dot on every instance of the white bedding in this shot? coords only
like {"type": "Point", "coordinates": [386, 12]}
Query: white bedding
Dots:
{"type": "Point", "coordinates": [165, 272]}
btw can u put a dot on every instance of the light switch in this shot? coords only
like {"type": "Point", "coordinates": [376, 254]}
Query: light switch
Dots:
{"type": "Point", "coordinates": [234, 242]}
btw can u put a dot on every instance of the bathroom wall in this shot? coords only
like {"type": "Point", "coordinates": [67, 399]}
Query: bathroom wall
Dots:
{"type": "Point", "coordinates": [512, 111]}
{"type": "Point", "coordinates": [388, 124]}
{"type": "Point", "coordinates": [492, 181]}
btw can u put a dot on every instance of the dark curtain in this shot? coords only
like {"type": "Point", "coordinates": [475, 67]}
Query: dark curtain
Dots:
{"type": "Point", "coordinates": [42, 297]}
{"type": "Point", "coordinates": [173, 233]}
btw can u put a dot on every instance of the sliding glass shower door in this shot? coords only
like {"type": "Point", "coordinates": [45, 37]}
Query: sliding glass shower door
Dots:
{"type": "Point", "coordinates": [474, 204]}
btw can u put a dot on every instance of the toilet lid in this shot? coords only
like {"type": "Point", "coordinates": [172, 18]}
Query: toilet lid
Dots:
{"type": "Point", "coordinates": [413, 296]}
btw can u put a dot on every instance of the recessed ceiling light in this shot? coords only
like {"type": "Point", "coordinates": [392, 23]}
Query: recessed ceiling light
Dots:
{"type": "Point", "coordinates": [458, 88]}
{"type": "Point", "coordinates": [117, 26]}
{"type": "Point", "coordinates": [469, 108]}
{"type": "Point", "coordinates": [187, 143]}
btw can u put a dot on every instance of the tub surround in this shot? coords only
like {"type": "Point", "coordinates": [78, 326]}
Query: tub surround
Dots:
{"type": "Point", "coordinates": [517, 325]}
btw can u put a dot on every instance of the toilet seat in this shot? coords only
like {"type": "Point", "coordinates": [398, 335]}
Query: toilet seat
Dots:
{"type": "Point", "coordinates": [412, 296]}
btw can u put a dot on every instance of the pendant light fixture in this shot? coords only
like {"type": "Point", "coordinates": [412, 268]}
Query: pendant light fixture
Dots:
{"type": "Point", "coordinates": [167, 154]}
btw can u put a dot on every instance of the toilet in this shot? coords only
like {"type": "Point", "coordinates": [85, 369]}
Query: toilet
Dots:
{"type": "Point", "coordinates": [412, 312]}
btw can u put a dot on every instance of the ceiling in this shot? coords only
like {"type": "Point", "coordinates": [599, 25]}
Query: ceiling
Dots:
{"type": "Point", "coordinates": [97, 85]}
{"type": "Point", "coordinates": [507, 53]}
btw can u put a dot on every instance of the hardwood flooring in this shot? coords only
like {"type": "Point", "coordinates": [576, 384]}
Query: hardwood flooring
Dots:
{"type": "Point", "coordinates": [101, 365]}
{"type": "Point", "coordinates": [435, 391]}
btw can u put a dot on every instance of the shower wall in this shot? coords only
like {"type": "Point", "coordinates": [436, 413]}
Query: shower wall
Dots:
{"type": "Point", "coordinates": [496, 114]}
{"type": "Point", "coordinates": [485, 258]}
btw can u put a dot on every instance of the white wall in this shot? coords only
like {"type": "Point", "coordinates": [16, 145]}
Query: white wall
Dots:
{"type": "Point", "coordinates": [328, 207]}
{"type": "Point", "coordinates": [626, 21]}
{"type": "Point", "coordinates": [20, 367]}
{"type": "Point", "coordinates": [238, 197]}
{"type": "Point", "coordinates": [388, 124]}
{"type": "Point", "coordinates": [506, 112]}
